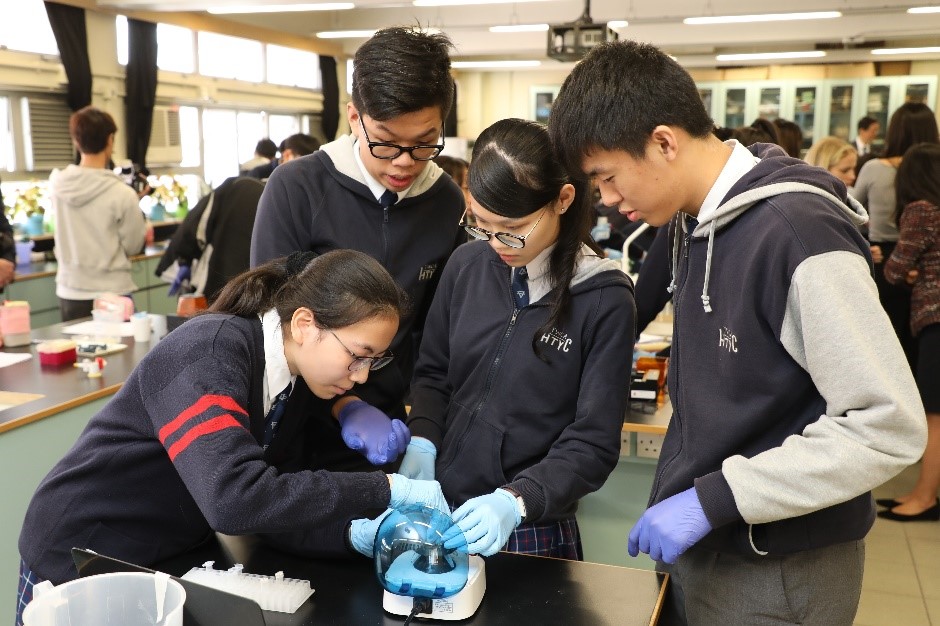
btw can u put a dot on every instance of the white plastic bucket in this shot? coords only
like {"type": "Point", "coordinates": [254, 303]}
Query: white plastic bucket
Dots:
{"type": "Point", "coordinates": [128, 599]}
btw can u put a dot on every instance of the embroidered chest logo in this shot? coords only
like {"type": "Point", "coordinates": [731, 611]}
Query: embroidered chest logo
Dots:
{"type": "Point", "coordinates": [427, 271]}
{"type": "Point", "coordinates": [557, 339]}
{"type": "Point", "coordinates": [727, 340]}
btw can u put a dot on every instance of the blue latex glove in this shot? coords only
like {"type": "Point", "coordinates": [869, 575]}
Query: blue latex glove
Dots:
{"type": "Point", "coordinates": [183, 274]}
{"type": "Point", "coordinates": [362, 533]}
{"type": "Point", "coordinates": [373, 433]}
{"type": "Point", "coordinates": [407, 491]}
{"type": "Point", "coordinates": [669, 528]}
{"type": "Point", "coordinates": [418, 461]}
{"type": "Point", "coordinates": [413, 582]}
{"type": "Point", "coordinates": [486, 523]}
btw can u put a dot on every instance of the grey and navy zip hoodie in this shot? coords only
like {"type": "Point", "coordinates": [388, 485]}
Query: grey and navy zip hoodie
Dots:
{"type": "Point", "coordinates": [501, 416]}
{"type": "Point", "coordinates": [321, 202]}
{"type": "Point", "coordinates": [792, 398]}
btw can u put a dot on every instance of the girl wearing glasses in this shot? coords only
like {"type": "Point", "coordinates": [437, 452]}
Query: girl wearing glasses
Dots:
{"type": "Point", "coordinates": [203, 436]}
{"type": "Point", "coordinates": [522, 377]}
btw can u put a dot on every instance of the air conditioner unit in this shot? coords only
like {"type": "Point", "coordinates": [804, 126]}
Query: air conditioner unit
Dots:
{"type": "Point", "coordinates": [166, 147]}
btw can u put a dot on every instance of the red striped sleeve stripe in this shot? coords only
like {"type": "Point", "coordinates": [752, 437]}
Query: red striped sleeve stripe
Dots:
{"type": "Point", "coordinates": [225, 403]}
{"type": "Point", "coordinates": [208, 427]}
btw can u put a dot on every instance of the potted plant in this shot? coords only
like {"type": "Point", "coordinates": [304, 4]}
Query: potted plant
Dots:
{"type": "Point", "coordinates": [28, 205]}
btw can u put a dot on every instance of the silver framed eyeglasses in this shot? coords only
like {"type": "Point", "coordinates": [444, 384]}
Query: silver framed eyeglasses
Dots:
{"type": "Point", "coordinates": [385, 150]}
{"type": "Point", "coordinates": [513, 241]}
{"type": "Point", "coordinates": [360, 362]}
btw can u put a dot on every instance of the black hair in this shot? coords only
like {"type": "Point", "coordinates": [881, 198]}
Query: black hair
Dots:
{"type": "Point", "coordinates": [402, 70]}
{"type": "Point", "coordinates": [789, 136]}
{"type": "Point", "coordinates": [341, 288]}
{"type": "Point", "coordinates": [617, 95]}
{"type": "Point", "coordinates": [514, 173]}
{"type": "Point", "coordinates": [918, 177]}
{"type": "Point", "coordinates": [266, 148]}
{"type": "Point", "coordinates": [301, 144]}
{"type": "Point", "coordinates": [90, 128]}
{"type": "Point", "coordinates": [912, 122]}
{"type": "Point", "coordinates": [866, 122]}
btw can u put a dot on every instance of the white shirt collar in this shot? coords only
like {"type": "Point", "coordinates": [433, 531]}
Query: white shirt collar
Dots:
{"type": "Point", "coordinates": [538, 274]}
{"type": "Point", "coordinates": [739, 163]}
{"type": "Point", "coordinates": [276, 372]}
{"type": "Point", "coordinates": [374, 186]}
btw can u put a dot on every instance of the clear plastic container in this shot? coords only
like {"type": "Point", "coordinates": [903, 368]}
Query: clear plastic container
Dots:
{"type": "Point", "coordinates": [129, 599]}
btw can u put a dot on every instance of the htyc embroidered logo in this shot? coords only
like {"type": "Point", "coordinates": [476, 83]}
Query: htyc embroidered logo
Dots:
{"type": "Point", "coordinates": [727, 340]}
{"type": "Point", "coordinates": [427, 271]}
{"type": "Point", "coordinates": [557, 339]}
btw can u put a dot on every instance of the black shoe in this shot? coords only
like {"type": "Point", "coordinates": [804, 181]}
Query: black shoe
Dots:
{"type": "Point", "coordinates": [887, 502]}
{"type": "Point", "coordinates": [930, 515]}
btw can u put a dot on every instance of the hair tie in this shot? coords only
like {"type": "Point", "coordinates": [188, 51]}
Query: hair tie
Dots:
{"type": "Point", "coordinates": [297, 261]}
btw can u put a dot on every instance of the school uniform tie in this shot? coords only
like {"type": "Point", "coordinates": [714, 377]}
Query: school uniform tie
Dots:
{"type": "Point", "coordinates": [273, 418]}
{"type": "Point", "coordinates": [388, 198]}
{"type": "Point", "coordinates": [520, 287]}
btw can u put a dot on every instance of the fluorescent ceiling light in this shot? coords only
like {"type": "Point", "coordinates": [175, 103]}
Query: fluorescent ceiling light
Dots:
{"type": "Point", "coordinates": [764, 56]}
{"type": "Point", "coordinates": [927, 50]}
{"type": "Point", "coordinates": [450, 3]}
{"type": "Point", "coordinates": [924, 10]}
{"type": "Point", "coordinates": [768, 17]}
{"type": "Point", "coordinates": [345, 34]}
{"type": "Point", "coordinates": [493, 64]}
{"type": "Point", "coordinates": [615, 24]}
{"type": "Point", "coordinates": [281, 8]}
{"type": "Point", "coordinates": [519, 28]}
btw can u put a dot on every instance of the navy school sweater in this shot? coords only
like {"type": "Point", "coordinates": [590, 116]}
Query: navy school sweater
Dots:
{"type": "Point", "coordinates": [175, 455]}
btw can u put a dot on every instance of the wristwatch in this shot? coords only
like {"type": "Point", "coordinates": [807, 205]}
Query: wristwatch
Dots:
{"type": "Point", "coordinates": [520, 503]}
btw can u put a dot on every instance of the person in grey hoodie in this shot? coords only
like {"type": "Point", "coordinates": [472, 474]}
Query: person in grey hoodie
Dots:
{"type": "Point", "coordinates": [99, 223]}
{"type": "Point", "coordinates": [790, 391]}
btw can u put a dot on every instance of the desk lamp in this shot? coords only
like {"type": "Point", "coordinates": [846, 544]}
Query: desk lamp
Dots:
{"type": "Point", "coordinates": [421, 577]}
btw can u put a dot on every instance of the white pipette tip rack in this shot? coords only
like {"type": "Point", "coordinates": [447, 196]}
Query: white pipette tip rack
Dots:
{"type": "Point", "coordinates": [272, 593]}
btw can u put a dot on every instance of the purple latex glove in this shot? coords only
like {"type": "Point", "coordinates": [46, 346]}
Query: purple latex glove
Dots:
{"type": "Point", "coordinates": [182, 274]}
{"type": "Point", "coordinates": [669, 528]}
{"type": "Point", "coordinates": [373, 433]}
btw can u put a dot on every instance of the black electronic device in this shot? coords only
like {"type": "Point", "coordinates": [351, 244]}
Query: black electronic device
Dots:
{"type": "Point", "coordinates": [571, 41]}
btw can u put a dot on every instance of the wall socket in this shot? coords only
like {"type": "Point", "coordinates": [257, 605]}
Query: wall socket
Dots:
{"type": "Point", "coordinates": [648, 445]}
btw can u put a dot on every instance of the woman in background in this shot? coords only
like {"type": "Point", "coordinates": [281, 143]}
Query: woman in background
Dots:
{"type": "Point", "coordinates": [789, 137]}
{"type": "Point", "coordinates": [835, 155]}
{"type": "Point", "coordinates": [915, 262]}
{"type": "Point", "coordinates": [912, 122]}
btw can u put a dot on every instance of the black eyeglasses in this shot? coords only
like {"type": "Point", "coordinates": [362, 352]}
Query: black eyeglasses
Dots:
{"type": "Point", "coordinates": [385, 150]}
{"type": "Point", "coordinates": [513, 241]}
{"type": "Point", "coordinates": [360, 362]}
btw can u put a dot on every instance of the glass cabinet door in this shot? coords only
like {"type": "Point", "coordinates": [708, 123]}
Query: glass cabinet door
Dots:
{"type": "Point", "coordinates": [735, 100]}
{"type": "Point", "coordinates": [877, 105]}
{"type": "Point", "coordinates": [804, 114]}
{"type": "Point", "coordinates": [917, 92]}
{"type": "Point", "coordinates": [768, 104]}
{"type": "Point", "coordinates": [841, 123]}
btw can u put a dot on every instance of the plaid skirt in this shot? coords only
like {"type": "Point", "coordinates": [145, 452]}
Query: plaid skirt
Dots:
{"type": "Point", "coordinates": [24, 591]}
{"type": "Point", "coordinates": [560, 539]}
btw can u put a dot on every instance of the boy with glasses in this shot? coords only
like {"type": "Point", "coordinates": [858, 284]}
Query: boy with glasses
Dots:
{"type": "Point", "coordinates": [791, 396]}
{"type": "Point", "coordinates": [376, 191]}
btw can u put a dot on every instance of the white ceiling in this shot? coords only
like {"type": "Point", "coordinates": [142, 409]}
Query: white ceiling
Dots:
{"type": "Point", "coordinates": [656, 21]}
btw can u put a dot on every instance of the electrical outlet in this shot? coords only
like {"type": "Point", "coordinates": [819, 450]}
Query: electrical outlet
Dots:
{"type": "Point", "coordinates": [625, 442]}
{"type": "Point", "coordinates": [648, 445]}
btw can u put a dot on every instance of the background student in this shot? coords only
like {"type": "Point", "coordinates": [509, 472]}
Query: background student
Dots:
{"type": "Point", "coordinates": [203, 436]}
{"type": "Point", "coordinates": [376, 191]}
{"type": "Point", "coordinates": [522, 380]}
{"type": "Point", "coordinates": [99, 223]}
{"type": "Point", "coordinates": [915, 263]}
{"type": "Point", "coordinates": [791, 397]}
